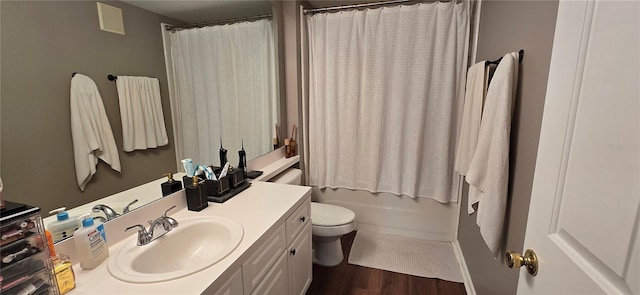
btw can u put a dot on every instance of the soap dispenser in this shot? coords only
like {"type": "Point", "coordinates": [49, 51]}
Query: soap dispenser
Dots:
{"type": "Point", "coordinates": [91, 243]}
{"type": "Point", "coordinates": [171, 186]}
{"type": "Point", "coordinates": [63, 227]}
{"type": "Point", "coordinates": [196, 195]}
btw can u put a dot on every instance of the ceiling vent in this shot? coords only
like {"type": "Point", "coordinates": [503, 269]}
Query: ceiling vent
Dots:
{"type": "Point", "coordinates": [110, 18]}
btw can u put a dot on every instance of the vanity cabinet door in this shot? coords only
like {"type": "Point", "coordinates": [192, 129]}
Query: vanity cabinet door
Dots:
{"type": "Point", "coordinates": [299, 260]}
{"type": "Point", "coordinates": [276, 281]}
{"type": "Point", "coordinates": [233, 286]}
{"type": "Point", "coordinates": [260, 262]}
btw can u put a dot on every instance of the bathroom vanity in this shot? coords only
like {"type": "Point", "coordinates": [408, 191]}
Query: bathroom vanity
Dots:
{"type": "Point", "coordinates": [273, 256]}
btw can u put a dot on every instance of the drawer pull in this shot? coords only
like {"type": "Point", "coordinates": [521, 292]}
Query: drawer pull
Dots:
{"type": "Point", "coordinates": [302, 219]}
{"type": "Point", "coordinates": [292, 252]}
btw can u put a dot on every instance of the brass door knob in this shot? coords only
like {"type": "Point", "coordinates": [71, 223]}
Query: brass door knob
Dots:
{"type": "Point", "coordinates": [529, 261]}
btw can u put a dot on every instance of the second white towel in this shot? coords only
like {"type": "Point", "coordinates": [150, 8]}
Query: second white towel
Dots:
{"type": "Point", "coordinates": [141, 113]}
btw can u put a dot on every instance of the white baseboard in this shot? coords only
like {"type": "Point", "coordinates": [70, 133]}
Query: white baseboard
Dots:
{"type": "Point", "coordinates": [466, 276]}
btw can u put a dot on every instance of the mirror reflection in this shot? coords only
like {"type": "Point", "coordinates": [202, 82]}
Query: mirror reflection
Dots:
{"type": "Point", "coordinates": [44, 42]}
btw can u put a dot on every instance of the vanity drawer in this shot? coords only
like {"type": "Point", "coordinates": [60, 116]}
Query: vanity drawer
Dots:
{"type": "Point", "coordinates": [258, 265]}
{"type": "Point", "coordinates": [296, 222]}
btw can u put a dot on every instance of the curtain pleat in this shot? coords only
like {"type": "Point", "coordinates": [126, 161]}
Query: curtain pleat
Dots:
{"type": "Point", "coordinates": [385, 94]}
{"type": "Point", "coordinates": [225, 87]}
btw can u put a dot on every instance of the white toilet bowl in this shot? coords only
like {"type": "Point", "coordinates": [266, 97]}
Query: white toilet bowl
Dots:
{"type": "Point", "coordinates": [328, 224]}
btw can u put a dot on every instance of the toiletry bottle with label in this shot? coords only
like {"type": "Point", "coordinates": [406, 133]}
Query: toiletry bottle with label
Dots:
{"type": "Point", "coordinates": [171, 186]}
{"type": "Point", "coordinates": [62, 268]}
{"type": "Point", "coordinates": [63, 227]}
{"type": "Point", "coordinates": [91, 243]}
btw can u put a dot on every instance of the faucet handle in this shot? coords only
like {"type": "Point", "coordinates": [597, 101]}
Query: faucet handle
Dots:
{"type": "Point", "coordinates": [165, 212]}
{"type": "Point", "coordinates": [138, 226]}
{"type": "Point", "coordinates": [126, 209]}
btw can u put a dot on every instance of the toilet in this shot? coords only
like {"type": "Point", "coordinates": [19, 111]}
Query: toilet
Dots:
{"type": "Point", "coordinates": [328, 224]}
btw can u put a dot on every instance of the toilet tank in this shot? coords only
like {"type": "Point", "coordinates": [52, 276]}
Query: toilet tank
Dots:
{"type": "Point", "coordinates": [291, 176]}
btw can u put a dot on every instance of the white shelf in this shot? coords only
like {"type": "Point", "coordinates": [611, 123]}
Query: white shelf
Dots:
{"type": "Point", "coordinates": [276, 168]}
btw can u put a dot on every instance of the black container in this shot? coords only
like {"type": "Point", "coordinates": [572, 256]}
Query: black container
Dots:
{"type": "Point", "coordinates": [188, 180]}
{"type": "Point", "coordinates": [196, 193]}
{"type": "Point", "coordinates": [217, 188]}
{"type": "Point", "coordinates": [236, 178]}
{"type": "Point", "coordinates": [170, 186]}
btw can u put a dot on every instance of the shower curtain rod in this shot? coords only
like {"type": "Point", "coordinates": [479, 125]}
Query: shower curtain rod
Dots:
{"type": "Point", "coordinates": [345, 7]}
{"type": "Point", "coordinates": [217, 23]}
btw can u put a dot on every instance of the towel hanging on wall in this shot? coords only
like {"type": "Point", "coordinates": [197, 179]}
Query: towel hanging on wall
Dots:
{"type": "Point", "coordinates": [90, 130]}
{"type": "Point", "coordinates": [488, 172]}
{"type": "Point", "coordinates": [141, 113]}
{"type": "Point", "coordinates": [475, 92]}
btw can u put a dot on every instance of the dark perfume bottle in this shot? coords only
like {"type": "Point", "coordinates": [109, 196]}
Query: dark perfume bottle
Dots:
{"type": "Point", "coordinates": [196, 195]}
{"type": "Point", "coordinates": [242, 155]}
{"type": "Point", "coordinates": [223, 154]}
{"type": "Point", "coordinates": [171, 186]}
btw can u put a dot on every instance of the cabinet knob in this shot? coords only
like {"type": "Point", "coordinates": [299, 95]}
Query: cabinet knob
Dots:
{"type": "Point", "coordinates": [302, 219]}
{"type": "Point", "coordinates": [292, 252]}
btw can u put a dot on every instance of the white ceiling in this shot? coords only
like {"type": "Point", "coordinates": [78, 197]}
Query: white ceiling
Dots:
{"type": "Point", "coordinates": [199, 11]}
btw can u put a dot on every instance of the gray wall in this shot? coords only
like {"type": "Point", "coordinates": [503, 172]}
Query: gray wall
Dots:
{"type": "Point", "coordinates": [42, 44]}
{"type": "Point", "coordinates": [507, 26]}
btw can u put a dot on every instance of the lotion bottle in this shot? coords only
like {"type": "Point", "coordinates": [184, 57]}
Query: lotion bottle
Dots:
{"type": "Point", "coordinates": [91, 243]}
{"type": "Point", "coordinates": [63, 227]}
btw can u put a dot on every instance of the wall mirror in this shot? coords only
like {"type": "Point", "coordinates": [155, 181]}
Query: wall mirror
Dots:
{"type": "Point", "coordinates": [43, 43]}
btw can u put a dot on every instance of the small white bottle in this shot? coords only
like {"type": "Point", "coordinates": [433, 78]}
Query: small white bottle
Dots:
{"type": "Point", "coordinates": [91, 243]}
{"type": "Point", "coordinates": [63, 227]}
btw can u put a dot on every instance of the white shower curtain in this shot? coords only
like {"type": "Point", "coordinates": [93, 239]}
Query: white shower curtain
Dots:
{"type": "Point", "coordinates": [385, 94]}
{"type": "Point", "coordinates": [223, 76]}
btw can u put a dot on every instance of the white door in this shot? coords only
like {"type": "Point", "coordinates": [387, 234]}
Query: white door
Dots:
{"type": "Point", "coordinates": [584, 215]}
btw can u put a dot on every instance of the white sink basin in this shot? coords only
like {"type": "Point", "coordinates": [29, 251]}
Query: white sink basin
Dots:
{"type": "Point", "coordinates": [197, 243]}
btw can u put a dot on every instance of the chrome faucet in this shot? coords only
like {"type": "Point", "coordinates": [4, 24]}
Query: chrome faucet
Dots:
{"type": "Point", "coordinates": [126, 208]}
{"type": "Point", "coordinates": [157, 228]}
{"type": "Point", "coordinates": [109, 212]}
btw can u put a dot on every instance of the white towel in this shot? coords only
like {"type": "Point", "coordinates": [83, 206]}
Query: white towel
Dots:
{"type": "Point", "coordinates": [90, 130]}
{"type": "Point", "coordinates": [489, 168]}
{"type": "Point", "coordinates": [141, 113]}
{"type": "Point", "coordinates": [471, 115]}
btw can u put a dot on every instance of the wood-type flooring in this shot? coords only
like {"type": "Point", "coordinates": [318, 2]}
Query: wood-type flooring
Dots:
{"type": "Point", "coordinates": [358, 280]}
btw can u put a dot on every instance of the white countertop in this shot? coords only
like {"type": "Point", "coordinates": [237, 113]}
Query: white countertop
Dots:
{"type": "Point", "coordinates": [257, 209]}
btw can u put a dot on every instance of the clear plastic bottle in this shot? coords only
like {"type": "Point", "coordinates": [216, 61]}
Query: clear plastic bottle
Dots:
{"type": "Point", "coordinates": [91, 243]}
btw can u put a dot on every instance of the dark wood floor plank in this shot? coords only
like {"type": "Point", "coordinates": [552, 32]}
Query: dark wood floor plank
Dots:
{"type": "Point", "coordinates": [351, 279]}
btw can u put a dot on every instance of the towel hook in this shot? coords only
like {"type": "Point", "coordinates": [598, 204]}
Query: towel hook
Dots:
{"type": "Point", "coordinates": [112, 77]}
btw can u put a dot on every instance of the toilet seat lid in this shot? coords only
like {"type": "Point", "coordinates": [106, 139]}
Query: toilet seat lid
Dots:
{"type": "Point", "coordinates": [330, 215]}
